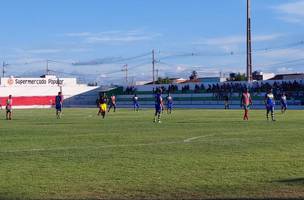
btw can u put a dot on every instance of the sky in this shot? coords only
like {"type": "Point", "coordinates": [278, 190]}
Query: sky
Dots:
{"type": "Point", "coordinates": [94, 39]}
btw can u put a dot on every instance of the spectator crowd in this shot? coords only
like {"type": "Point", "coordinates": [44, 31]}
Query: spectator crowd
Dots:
{"type": "Point", "coordinates": [293, 89]}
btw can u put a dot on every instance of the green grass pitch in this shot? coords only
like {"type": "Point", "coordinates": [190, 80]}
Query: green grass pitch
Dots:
{"type": "Point", "coordinates": [192, 154]}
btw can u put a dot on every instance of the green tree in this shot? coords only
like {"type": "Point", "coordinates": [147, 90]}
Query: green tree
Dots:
{"type": "Point", "coordinates": [165, 80]}
{"type": "Point", "coordinates": [237, 77]}
{"type": "Point", "coordinates": [194, 75]}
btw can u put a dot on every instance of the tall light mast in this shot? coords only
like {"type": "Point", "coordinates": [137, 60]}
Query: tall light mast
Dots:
{"type": "Point", "coordinates": [153, 66]}
{"type": "Point", "coordinates": [249, 48]}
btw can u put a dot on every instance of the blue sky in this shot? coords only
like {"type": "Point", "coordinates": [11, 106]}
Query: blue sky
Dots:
{"type": "Point", "coordinates": [205, 35]}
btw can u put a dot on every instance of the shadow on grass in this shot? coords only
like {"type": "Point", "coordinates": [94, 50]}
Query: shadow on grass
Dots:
{"type": "Point", "coordinates": [3, 119]}
{"type": "Point", "coordinates": [291, 181]}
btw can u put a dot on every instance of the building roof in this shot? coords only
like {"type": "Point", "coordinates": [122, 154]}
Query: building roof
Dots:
{"type": "Point", "coordinates": [288, 76]}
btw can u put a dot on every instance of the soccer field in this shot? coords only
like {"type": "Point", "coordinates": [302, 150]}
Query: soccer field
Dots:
{"type": "Point", "coordinates": [192, 154]}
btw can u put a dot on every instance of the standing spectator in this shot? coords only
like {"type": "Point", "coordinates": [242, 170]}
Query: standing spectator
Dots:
{"type": "Point", "coordinates": [226, 102]}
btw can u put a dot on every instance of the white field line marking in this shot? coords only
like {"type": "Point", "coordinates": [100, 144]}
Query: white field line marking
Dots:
{"type": "Point", "coordinates": [90, 147]}
{"type": "Point", "coordinates": [105, 146]}
{"type": "Point", "coordinates": [198, 137]}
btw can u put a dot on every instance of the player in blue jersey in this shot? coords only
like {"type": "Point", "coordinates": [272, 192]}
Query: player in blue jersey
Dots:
{"type": "Point", "coordinates": [169, 99]}
{"type": "Point", "coordinates": [58, 105]}
{"type": "Point", "coordinates": [270, 104]}
{"type": "Point", "coordinates": [158, 106]}
{"type": "Point", "coordinates": [283, 103]}
{"type": "Point", "coordinates": [135, 103]}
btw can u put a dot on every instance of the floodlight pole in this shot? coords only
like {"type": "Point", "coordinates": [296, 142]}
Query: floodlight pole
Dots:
{"type": "Point", "coordinates": [126, 70]}
{"type": "Point", "coordinates": [249, 48]}
{"type": "Point", "coordinates": [153, 66]}
{"type": "Point", "coordinates": [3, 68]}
{"type": "Point", "coordinates": [47, 67]}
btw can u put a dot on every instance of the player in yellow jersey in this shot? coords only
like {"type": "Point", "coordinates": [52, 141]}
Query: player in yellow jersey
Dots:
{"type": "Point", "coordinates": [103, 105]}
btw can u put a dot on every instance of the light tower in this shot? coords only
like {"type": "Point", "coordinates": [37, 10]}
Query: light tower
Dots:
{"type": "Point", "coordinates": [153, 66]}
{"type": "Point", "coordinates": [125, 69]}
{"type": "Point", "coordinates": [3, 68]}
{"type": "Point", "coordinates": [249, 49]}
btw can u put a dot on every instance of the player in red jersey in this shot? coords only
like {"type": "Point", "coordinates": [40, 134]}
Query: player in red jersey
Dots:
{"type": "Point", "coordinates": [9, 107]}
{"type": "Point", "coordinates": [246, 102]}
{"type": "Point", "coordinates": [112, 103]}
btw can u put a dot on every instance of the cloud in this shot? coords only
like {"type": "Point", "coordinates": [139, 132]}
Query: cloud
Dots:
{"type": "Point", "coordinates": [30, 52]}
{"type": "Point", "coordinates": [180, 69]}
{"type": "Point", "coordinates": [79, 50]}
{"type": "Point", "coordinates": [285, 70]}
{"type": "Point", "coordinates": [291, 12]}
{"type": "Point", "coordinates": [120, 38]}
{"type": "Point", "coordinates": [114, 37]}
{"type": "Point", "coordinates": [81, 34]}
{"type": "Point", "coordinates": [100, 61]}
{"type": "Point", "coordinates": [44, 51]}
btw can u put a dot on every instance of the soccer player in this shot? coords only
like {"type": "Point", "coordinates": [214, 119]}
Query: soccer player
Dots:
{"type": "Point", "coordinates": [9, 107]}
{"type": "Point", "coordinates": [98, 102]}
{"type": "Point", "coordinates": [158, 106]}
{"type": "Point", "coordinates": [270, 104]}
{"type": "Point", "coordinates": [135, 103]}
{"type": "Point", "coordinates": [283, 103]}
{"type": "Point", "coordinates": [246, 102]}
{"type": "Point", "coordinates": [103, 105]}
{"type": "Point", "coordinates": [58, 104]}
{"type": "Point", "coordinates": [112, 103]}
{"type": "Point", "coordinates": [169, 99]}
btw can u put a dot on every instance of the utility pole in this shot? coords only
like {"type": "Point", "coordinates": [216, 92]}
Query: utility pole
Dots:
{"type": "Point", "coordinates": [3, 68]}
{"type": "Point", "coordinates": [156, 74]}
{"type": "Point", "coordinates": [249, 49]}
{"type": "Point", "coordinates": [125, 69]}
{"type": "Point", "coordinates": [153, 66]}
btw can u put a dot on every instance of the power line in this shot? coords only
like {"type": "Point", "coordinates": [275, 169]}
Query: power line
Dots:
{"type": "Point", "coordinates": [112, 60]}
{"type": "Point", "coordinates": [283, 63]}
{"type": "Point", "coordinates": [232, 53]}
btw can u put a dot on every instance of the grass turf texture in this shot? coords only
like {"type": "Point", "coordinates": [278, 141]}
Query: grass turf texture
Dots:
{"type": "Point", "coordinates": [126, 156]}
